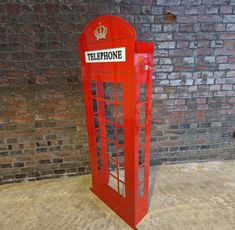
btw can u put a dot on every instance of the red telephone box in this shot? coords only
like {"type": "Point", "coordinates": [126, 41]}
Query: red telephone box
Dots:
{"type": "Point", "coordinates": [117, 84]}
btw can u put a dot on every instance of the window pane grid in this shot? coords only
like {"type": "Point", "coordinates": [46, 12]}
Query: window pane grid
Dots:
{"type": "Point", "coordinates": [120, 165]}
{"type": "Point", "coordinates": [111, 141]}
{"type": "Point", "coordinates": [109, 103]}
{"type": "Point", "coordinates": [141, 110]}
{"type": "Point", "coordinates": [97, 134]}
{"type": "Point", "coordinates": [119, 180]}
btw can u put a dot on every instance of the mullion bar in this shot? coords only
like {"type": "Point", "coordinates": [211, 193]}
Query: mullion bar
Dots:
{"type": "Point", "coordinates": [108, 101]}
{"type": "Point", "coordinates": [109, 140]}
{"type": "Point", "coordinates": [110, 122]}
{"type": "Point", "coordinates": [117, 162]}
{"type": "Point", "coordinates": [119, 180]}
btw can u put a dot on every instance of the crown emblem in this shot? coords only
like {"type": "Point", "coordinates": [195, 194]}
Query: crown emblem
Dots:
{"type": "Point", "coordinates": [100, 32]}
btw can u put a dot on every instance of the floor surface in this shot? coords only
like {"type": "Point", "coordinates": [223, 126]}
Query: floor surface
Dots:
{"type": "Point", "coordinates": [185, 196]}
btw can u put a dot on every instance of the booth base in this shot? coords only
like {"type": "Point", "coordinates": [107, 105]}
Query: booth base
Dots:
{"type": "Point", "coordinates": [121, 211]}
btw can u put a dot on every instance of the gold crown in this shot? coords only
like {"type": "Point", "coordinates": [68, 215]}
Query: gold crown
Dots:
{"type": "Point", "coordinates": [100, 32]}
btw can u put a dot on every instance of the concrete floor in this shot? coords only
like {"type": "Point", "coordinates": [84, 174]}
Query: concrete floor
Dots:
{"type": "Point", "coordinates": [186, 196]}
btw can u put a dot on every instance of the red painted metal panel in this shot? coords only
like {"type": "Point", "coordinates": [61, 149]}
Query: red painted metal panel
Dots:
{"type": "Point", "coordinates": [116, 77]}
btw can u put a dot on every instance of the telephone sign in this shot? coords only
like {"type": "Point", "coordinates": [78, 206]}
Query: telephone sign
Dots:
{"type": "Point", "coordinates": [106, 55]}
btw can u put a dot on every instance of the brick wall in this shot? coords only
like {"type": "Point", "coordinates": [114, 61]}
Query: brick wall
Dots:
{"type": "Point", "coordinates": [42, 121]}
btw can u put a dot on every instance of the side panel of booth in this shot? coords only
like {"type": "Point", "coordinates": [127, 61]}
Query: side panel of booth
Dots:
{"type": "Point", "coordinates": [143, 62]}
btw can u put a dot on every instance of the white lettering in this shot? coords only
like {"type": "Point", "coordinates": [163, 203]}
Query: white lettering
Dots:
{"type": "Point", "coordinates": [106, 55]}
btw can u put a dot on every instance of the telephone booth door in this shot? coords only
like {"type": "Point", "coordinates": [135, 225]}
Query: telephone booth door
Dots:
{"type": "Point", "coordinates": [116, 78]}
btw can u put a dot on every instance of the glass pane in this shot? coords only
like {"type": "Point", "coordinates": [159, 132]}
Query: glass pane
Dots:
{"type": "Point", "coordinates": [96, 122]}
{"type": "Point", "coordinates": [121, 171]}
{"type": "Point", "coordinates": [141, 135]}
{"type": "Point", "coordinates": [141, 154]}
{"type": "Point", "coordinates": [119, 114]}
{"type": "Point", "coordinates": [113, 183]}
{"type": "Point", "coordinates": [99, 164]}
{"type": "Point", "coordinates": [94, 106]}
{"type": "Point", "coordinates": [110, 131]}
{"type": "Point", "coordinates": [93, 87]}
{"type": "Point", "coordinates": [98, 154]}
{"type": "Point", "coordinates": [121, 188]}
{"type": "Point", "coordinates": [97, 139]}
{"type": "Point", "coordinates": [119, 92]}
{"type": "Point", "coordinates": [113, 168]}
{"type": "Point", "coordinates": [141, 174]}
{"type": "Point", "coordinates": [142, 92]}
{"type": "Point", "coordinates": [120, 135]}
{"type": "Point", "coordinates": [108, 90]}
{"type": "Point", "coordinates": [141, 190]}
{"type": "Point", "coordinates": [111, 149]}
{"type": "Point", "coordinates": [109, 111]}
{"type": "Point", "coordinates": [120, 155]}
{"type": "Point", "coordinates": [142, 114]}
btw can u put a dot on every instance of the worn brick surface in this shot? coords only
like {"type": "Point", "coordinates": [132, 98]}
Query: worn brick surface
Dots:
{"type": "Point", "coordinates": [42, 119]}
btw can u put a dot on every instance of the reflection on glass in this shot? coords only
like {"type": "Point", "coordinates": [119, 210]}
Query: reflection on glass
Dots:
{"type": "Point", "coordinates": [110, 131]}
{"type": "Point", "coordinates": [108, 90]}
{"type": "Point", "coordinates": [142, 114]}
{"type": "Point", "coordinates": [96, 122]}
{"type": "Point", "coordinates": [119, 114]}
{"type": "Point", "coordinates": [113, 167]}
{"type": "Point", "coordinates": [109, 111]}
{"type": "Point", "coordinates": [141, 155]}
{"type": "Point", "coordinates": [121, 171]}
{"type": "Point", "coordinates": [121, 188]}
{"type": "Point", "coordinates": [97, 140]}
{"type": "Point", "coordinates": [120, 155]}
{"type": "Point", "coordinates": [141, 135]}
{"type": "Point", "coordinates": [142, 92]}
{"type": "Point", "coordinates": [141, 174]}
{"type": "Point", "coordinates": [119, 92]}
{"type": "Point", "coordinates": [120, 132]}
{"type": "Point", "coordinates": [93, 87]}
{"type": "Point", "coordinates": [111, 149]}
{"type": "Point", "coordinates": [113, 182]}
{"type": "Point", "coordinates": [141, 190]}
{"type": "Point", "coordinates": [99, 164]}
{"type": "Point", "coordinates": [98, 155]}
{"type": "Point", "coordinates": [94, 106]}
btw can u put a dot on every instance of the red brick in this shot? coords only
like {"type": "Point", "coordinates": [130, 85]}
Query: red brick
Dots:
{"type": "Point", "coordinates": [201, 101]}
{"type": "Point", "coordinates": [38, 8]}
{"type": "Point", "coordinates": [52, 7]}
{"type": "Point", "coordinates": [231, 59]}
{"type": "Point", "coordinates": [229, 44]}
{"type": "Point", "coordinates": [13, 8]}
{"type": "Point", "coordinates": [227, 36]}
